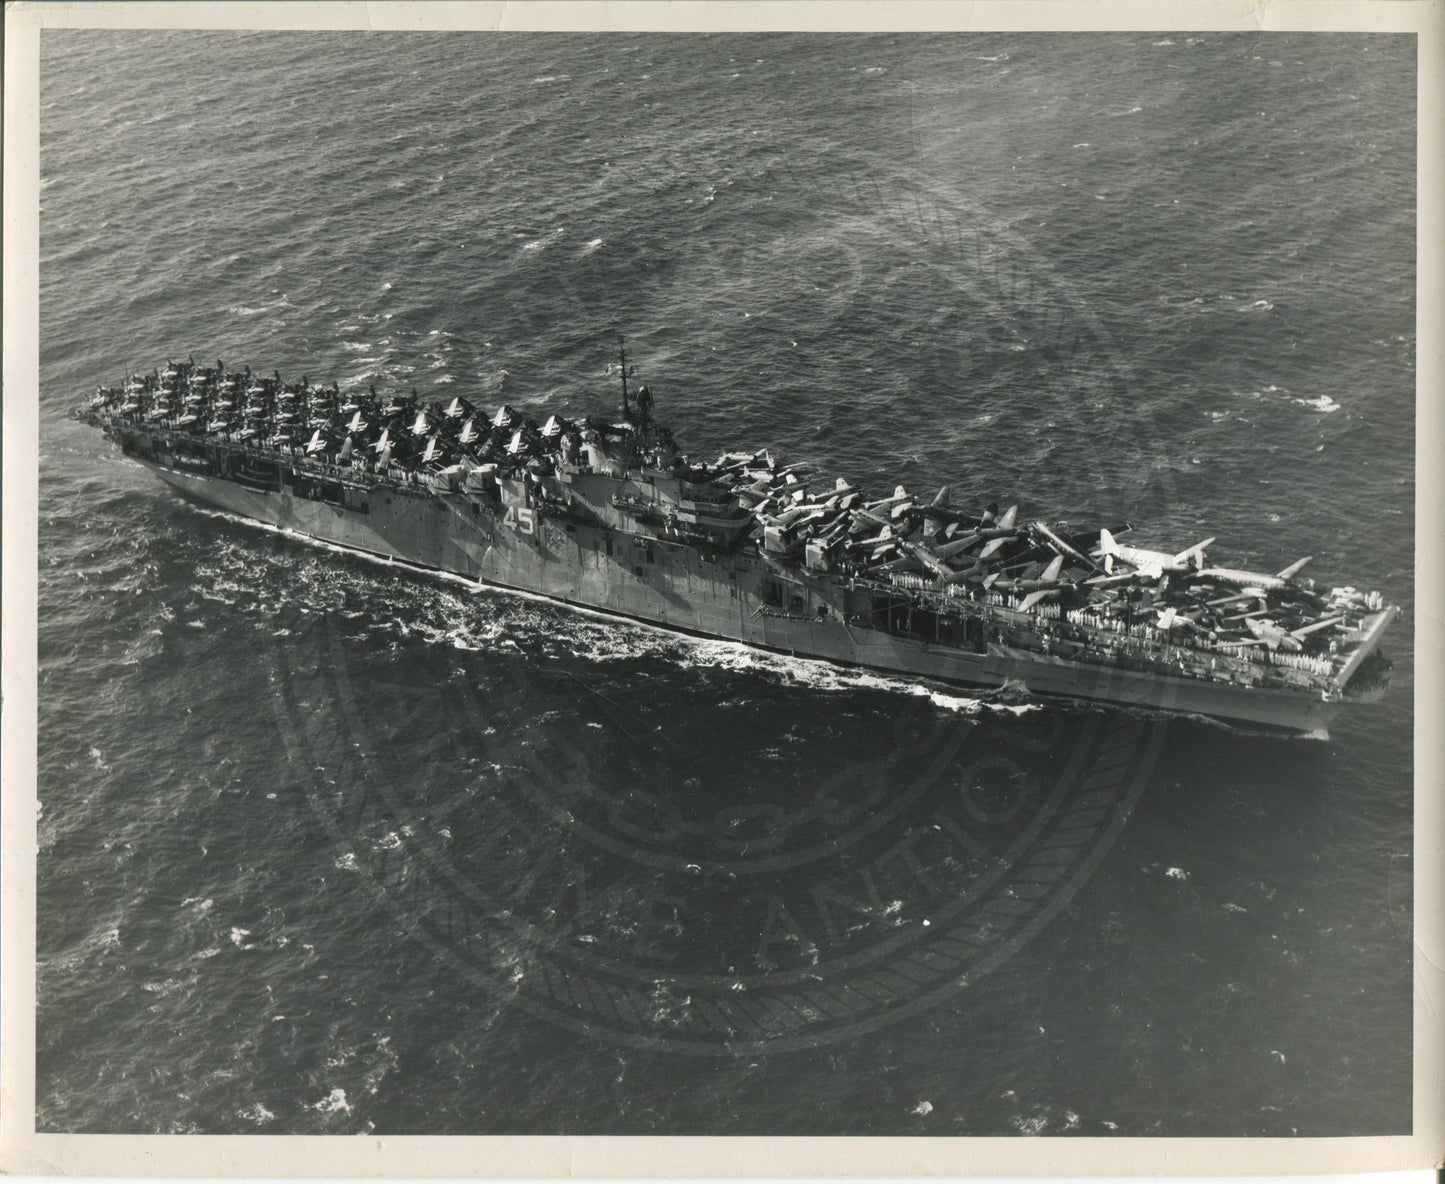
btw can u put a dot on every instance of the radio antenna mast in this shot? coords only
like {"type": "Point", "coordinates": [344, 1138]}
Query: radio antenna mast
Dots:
{"type": "Point", "coordinates": [622, 359]}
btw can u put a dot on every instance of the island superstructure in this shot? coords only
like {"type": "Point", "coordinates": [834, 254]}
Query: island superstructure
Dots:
{"type": "Point", "coordinates": [605, 512]}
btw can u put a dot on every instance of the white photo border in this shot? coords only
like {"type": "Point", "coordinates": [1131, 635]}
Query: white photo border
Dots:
{"type": "Point", "coordinates": [23, 1151]}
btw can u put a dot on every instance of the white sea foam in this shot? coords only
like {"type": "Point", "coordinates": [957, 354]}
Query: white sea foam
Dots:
{"type": "Point", "coordinates": [537, 244]}
{"type": "Point", "coordinates": [332, 1103]}
{"type": "Point", "coordinates": [629, 640]}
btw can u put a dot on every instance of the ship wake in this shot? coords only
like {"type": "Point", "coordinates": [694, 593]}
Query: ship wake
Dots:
{"type": "Point", "coordinates": [493, 618]}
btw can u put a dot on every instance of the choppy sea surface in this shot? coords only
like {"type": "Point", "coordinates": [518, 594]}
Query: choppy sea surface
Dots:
{"type": "Point", "coordinates": [332, 846]}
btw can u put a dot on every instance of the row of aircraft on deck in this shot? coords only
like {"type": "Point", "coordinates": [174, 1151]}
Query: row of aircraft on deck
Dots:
{"type": "Point", "coordinates": [801, 518]}
{"type": "Point", "coordinates": [928, 544]}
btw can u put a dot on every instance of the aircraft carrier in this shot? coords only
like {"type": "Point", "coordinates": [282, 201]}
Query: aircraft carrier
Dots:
{"type": "Point", "coordinates": [605, 512]}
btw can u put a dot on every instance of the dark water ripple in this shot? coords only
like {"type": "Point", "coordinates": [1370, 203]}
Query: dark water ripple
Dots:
{"type": "Point", "coordinates": [1168, 279]}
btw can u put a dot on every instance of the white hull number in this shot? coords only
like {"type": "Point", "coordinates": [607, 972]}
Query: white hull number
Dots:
{"type": "Point", "coordinates": [522, 519]}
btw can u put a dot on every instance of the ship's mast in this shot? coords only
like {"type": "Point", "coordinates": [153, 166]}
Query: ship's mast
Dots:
{"type": "Point", "coordinates": [622, 359]}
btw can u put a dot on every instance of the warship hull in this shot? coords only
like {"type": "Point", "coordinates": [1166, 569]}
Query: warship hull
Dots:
{"type": "Point", "coordinates": [732, 595]}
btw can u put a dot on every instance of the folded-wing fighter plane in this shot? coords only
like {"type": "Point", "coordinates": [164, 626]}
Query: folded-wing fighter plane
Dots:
{"type": "Point", "coordinates": [1005, 526]}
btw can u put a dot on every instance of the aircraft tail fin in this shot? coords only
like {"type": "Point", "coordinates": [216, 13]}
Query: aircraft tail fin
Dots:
{"type": "Point", "coordinates": [1194, 555]}
{"type": "Point", "coordinates": [1108, 548]}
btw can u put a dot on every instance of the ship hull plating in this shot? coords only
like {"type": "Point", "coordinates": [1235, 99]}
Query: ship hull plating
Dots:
{"type": "Point", "coordinates": [716, 595]}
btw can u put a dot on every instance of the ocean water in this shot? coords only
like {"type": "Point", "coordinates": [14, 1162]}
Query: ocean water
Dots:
{"type": "Point", "coordinates": [329, 845]}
